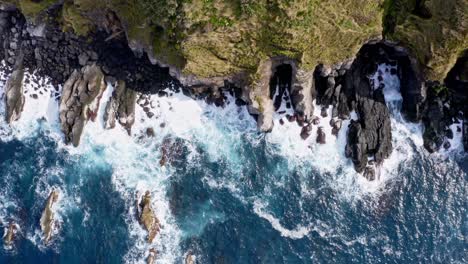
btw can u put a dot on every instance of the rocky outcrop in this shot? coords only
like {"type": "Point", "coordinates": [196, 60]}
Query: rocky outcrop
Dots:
{"type": "Point", "coordinates": [370, 136]}
{"type": "Point", "coordinates": [446, 105]}
{"type": "Point", "coordinates": [303, 93]}
{"type": "Point", "coordinates": [14, 97]}
{"type": "Point", "coordinates": [80, 100]}
{"type": "Point", "coordinates": [10, 233]}
{"type": "Point", "coordinates": [147, 217]}
{"type": "Point", "coordinates": [121, 107]}
{"type": "Point", "coordinates": [48, 217]}
{"type": "Point", "coordinates": [260, 102]}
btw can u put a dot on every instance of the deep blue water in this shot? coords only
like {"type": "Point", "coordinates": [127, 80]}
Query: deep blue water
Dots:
{"type": "Point", "coordinates": [419, 218]}
{"type": "Point", "coordinates": [229, 194]}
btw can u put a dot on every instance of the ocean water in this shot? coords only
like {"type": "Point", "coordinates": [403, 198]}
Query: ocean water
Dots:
{"type": "Point", "coordinates": [230, 194]}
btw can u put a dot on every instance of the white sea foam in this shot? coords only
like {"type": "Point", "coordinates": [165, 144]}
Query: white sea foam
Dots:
{"type": "Point", "coordinates": [219, 132]}
{"type": "Point", "coordinates": [296, 233]}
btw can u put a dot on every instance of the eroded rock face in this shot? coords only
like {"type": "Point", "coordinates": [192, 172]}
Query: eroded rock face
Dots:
{"type": "Point", "coordinates": [261, 104]}
{"type": "Point", "coordinates": [80, 101]}
{"type": "Point", "coordinates": [48, 217]}
{"type": "Point", "coordinates": [121, 107]}
{"type": "Point", "coordinates": [14, 97]}
{"type": "Point", "coordinates": [303, 93]}
{"type": "Point", "coordinates": [147, 217]}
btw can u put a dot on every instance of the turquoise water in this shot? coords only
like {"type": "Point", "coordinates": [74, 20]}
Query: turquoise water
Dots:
{"type": "Point", "coordinates": [230, 195]}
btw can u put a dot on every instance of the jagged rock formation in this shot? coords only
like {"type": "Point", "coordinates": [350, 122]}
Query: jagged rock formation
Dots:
{"type": "Point", "coordinates": [14, 97]}
{"type": "Point", "coordinates": [121, 107]}
{"type": "Point", "coordinates": [147, 217]}
{"type": "Point", "coordinates": [370, 136]}
{"type": "Point", "coordinates": [10, 233]}
{"type": "Point", "coordinates": [80, 101]}
{"type": "Point", "coordinates": [446, 105]}
{"type": "Point", "coordinates": [48, 217]}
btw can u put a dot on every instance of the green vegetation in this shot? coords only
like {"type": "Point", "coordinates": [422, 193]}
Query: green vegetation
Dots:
{"type": "Point", "coordinates": [440, 89]}
{"type": "Point", "coordinates": [218, 38]}
{"type": "Point", "coordinates": [74, 19]}
{"type": "Point", "coordinates": [435, 31]}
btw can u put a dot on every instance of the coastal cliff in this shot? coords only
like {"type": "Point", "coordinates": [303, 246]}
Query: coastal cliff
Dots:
{"type": "Point", "coordinates": [321, 53]}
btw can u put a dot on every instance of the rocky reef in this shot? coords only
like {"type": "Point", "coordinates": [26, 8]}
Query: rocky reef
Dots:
{"type": "Point", "coordinates": [147, 217]}
{"type": "Point", "coordinates": [313, 53]}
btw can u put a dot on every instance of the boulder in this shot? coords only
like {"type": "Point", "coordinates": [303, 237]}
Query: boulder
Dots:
{"type": "Point", "coordinates": [80, 101]}
{"type": "Point", "coordinates": [48, 217]}
{"type": "Point", "coordinates": [336, 126]}
{"type": "Point", "coordinates": [147, 217]}
{"type": "Point", "coordinates": [321, 137]}
{"type": "Point", "coordinates": [305, 132]}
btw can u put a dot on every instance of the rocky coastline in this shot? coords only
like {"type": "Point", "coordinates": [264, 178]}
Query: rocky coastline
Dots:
{"type": "Point", "coordinates": [84, 66]}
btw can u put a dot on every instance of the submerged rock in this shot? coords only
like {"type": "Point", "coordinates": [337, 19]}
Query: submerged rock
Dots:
{"type": "Point", "coordinates": [10, 232]}
{"type": "Point", "coordinates": [121, 107]}
{"type": "Point", "coordinates": [80, 101]}
{"type": "Point", "coordinates": [147, 217]}
{"type": "Point", "coordinates": [152, 256]}
{"type": "Point", "coordinates": [369, 173]}
{"type": "Point", "coordinates": [171, 150]}
{"type": "Point", "coordinates": [190, 259]}
{"type": "Point", "coordinates": [48, 217]}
